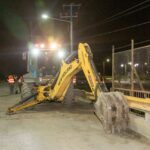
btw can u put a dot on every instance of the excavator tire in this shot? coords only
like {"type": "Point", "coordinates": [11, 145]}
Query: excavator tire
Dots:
{"type": "Point", "coordinates": [26, 91]}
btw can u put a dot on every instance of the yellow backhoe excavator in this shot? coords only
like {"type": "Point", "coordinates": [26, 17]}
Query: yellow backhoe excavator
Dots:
{"type": "Point", "coordinates": [110, 107]}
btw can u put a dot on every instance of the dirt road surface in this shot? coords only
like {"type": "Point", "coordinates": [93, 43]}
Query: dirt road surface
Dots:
{"type": "Point", "coordinates": [53, 126]}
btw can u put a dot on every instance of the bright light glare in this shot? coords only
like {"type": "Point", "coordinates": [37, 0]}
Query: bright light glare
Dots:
{"type": "Point", "coordinates": [145, 63]}
{"type": "Point", "coordinates": [122, 65]}
{"type": "Point", "coordinates": [42, 45]}
{"type": "Point", "coordinates": [61, 54]}
{"type": "Point", "coordinates": [108, 60]}
{"type": "Point", "coordinates": [36, 45]}
{"type": "Point", "coordinates": [44, 16]}
{"type": "Point", "coordinates": [53, 46]}
{"type": "Point", "coordinates": [35, 51]}
{"type": "Point", "coordinates": [59, 45]}
{"type": "Point", "coordinates": [129, 63]}
{"type": "Point", "coordinates": [136, 65]}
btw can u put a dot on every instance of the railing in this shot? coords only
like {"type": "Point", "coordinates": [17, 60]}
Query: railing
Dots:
{"type": "Point", "coordinates": [135, 93]}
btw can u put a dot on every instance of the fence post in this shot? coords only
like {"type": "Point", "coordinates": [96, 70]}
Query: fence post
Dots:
{"type": "Point", "coordinates": [132, 67]}
{"type": "Point", "coordinates": [113, 67]}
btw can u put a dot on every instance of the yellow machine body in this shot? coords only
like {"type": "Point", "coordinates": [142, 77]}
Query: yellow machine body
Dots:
{"type": "Point", "coordinates": [111, 108]}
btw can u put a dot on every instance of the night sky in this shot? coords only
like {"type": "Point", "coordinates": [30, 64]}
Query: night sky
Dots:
{"type": "Point", "coordinates": [18, 16]}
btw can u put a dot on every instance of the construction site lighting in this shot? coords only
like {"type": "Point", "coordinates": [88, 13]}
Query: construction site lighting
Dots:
{"type": "Point", "coordinates": [61, 54]}
{"type": "Point", "coordinates": [122, 65]}
{"type": "Point", "coordinates": [136, 65]}
{"type": "Point", "coordinates": [145, 63]}
{"type": "Point", "coordinates": [42, 45]}
{"type": "Point", "coordinates": [36, 45]}
{"type": "Point", "coordinates": [54, 46]}
{"type": "Point", "coordinates": [35, 51]}
{"type": "Point", "coordinates": [45, 16]}
{"type": "Point", "coordinates": [129, 63]}
{"type": "Point", "coordinates": [108, 60]}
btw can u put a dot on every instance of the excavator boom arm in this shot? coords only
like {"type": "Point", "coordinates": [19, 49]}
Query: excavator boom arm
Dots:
{"type": "Point", "coordinates": [67, 72]}
{"type": "Point", "coordinates": [83, 61]}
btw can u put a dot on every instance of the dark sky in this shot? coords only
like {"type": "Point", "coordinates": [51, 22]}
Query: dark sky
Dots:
{"type": "Point", "coordinates": [17, 16]}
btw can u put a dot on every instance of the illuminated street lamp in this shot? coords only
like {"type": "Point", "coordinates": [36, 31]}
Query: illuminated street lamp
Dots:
{"type": "Point", "coordinates": [46, 16]}
{"type": "Point", "coordinates": [145, 63]}
{"type": "Point", "coordinates": [107, 60]}
{"type": "Point", "coordinates": [35, 51]}
{"type": "Point", "coordinates": [42, 45]}
{"type": "Point", "coordinates": [122, 65]}
{"type": "Point", "coordinates": [129, 63]}
{"type": "Point", "coordinates": [136, 65]}
{"type": "Point", "coordinates": [53, 46]}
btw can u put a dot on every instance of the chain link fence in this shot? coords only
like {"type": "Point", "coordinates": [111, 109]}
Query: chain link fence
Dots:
{"type": "Point", "coordinates": [123, 61]}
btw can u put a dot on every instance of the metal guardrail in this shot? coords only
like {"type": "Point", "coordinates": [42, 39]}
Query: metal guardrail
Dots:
{"type": "Point", "coordinates": [135, 93]}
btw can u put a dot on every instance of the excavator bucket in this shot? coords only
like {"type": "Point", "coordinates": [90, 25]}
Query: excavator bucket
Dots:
{"type": "Point", "coordinates": [112, 110]}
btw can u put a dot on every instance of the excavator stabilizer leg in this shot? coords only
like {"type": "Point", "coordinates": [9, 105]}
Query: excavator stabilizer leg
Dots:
{"type": "Point", "coordinates": [22, 105]}
{"type": "Point", "coordinates": [112, 109]}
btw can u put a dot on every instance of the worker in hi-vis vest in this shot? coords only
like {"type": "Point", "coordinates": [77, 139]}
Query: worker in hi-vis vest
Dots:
{"type": "Point", "coordinates": [11, 83]}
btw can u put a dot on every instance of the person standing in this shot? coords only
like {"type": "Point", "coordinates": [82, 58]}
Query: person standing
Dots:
{"type": "Point", "coordinates": [11, 83]}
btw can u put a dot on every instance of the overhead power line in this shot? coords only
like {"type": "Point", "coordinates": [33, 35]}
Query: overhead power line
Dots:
{"type": "Point", "coordinates": [131, 12]}
{"type": "Point", "coordinates": [119, 15]}
{"type": "Point", "coordinates": [126, 10]}
{"type": "Point", "coordinates": [129, 45]}
{"type": "Point", "coordinates": [117, 30]}
{"type": "Point", "coordinates": [121, 47]}
{"type": "Point", "coordinates": [142, 42]}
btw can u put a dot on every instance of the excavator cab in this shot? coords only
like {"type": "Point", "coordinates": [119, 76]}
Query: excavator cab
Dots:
{"type": "Point", "coordinates": [41, 68]}
{"type": "Point", "coordinates": [41, 65]}
{"type": "Point", "coordinates": [110, 107]}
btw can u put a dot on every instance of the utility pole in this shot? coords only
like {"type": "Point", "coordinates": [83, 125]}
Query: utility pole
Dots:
{"type": "Point", "coordinates": [71, 13]}
{"type": "Point", "coordinates": [132, 67]}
